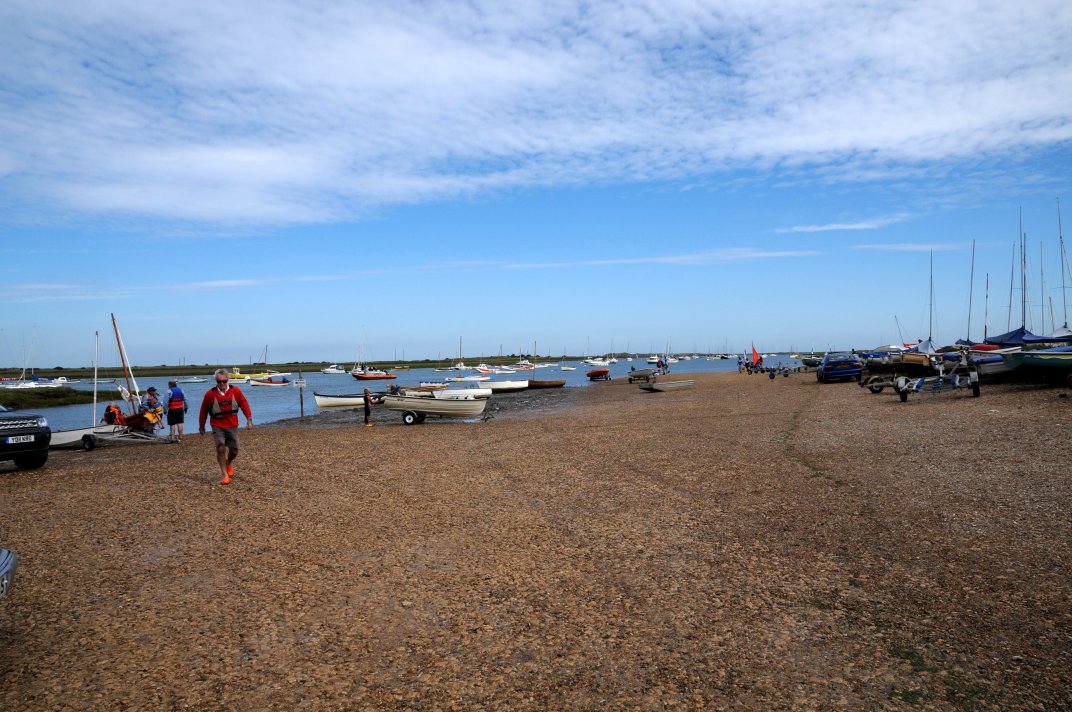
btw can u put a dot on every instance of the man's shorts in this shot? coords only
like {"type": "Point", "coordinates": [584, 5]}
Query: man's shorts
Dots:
{"type": "Point", "coordinates": [175, 416]}
{"type": "Point", "coordinates": [226, 436]}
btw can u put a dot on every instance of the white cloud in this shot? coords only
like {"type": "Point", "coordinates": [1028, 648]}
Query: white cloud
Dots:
{"type": "Point", "coordinates": [289, 112]}
{"type": "Point", "coordinates": [38, 292]}
{"type": "Point", "coordinates": [873, 224]}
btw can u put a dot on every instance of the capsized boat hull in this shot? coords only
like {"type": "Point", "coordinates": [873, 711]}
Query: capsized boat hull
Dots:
{"type": "Point", "coordinates": [598, 374]}
{"type": "Point", "coordinates": [497, 386]}
{"type": "Point", "coordinates": [664, 386]}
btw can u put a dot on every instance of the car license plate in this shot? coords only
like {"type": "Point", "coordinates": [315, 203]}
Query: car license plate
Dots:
{"type": "Point", "coordinates": [19, 439]}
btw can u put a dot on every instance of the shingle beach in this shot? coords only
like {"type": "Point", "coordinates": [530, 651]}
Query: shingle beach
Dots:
{"type": "Point", "coordinates": [746, 544]}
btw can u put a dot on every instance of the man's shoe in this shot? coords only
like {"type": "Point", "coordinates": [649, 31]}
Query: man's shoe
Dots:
{"type": "Point", "coordinates": [368, 425]}
{"type": "Point", "coordinates": [230, 471]}
{"type": "Point", "coordinates": [226, 479]}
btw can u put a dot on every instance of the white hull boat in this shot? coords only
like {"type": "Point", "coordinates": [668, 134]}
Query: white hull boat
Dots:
{"type": "Point", "coordinates": [414, 410]}
{"type": "Point", "coordinates": [349, 400]}
{"type": "Point", "coordinates": [334, 370]}
{"type": "Point", "coordinates": [497, 386]}
{"type": "Point", "coordinates": [84, 438]}
{"type": "Point", "coordinates": [463, 393]}
{"type": "Point", "coordinates": [469, 379]}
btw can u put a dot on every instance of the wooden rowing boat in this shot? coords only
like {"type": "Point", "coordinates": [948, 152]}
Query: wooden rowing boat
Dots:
{"type": "Point", "coordinates": [546, 384]}
{"type": "Point", "coordinates": [663, 386]}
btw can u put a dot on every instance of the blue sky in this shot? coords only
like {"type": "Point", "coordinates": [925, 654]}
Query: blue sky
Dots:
{"type": "Point", "coordinates": [328, 177]}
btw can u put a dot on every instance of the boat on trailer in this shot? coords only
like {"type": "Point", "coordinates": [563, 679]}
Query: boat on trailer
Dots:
{"type": "Point", "coordinates": [415, 409]}
{"type": "Point", "coordinates": [599, 374]}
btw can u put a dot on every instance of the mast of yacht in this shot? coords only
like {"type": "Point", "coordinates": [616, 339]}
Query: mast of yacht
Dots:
{"type": "Point", "coordinates": [986, 306]}
{"type": "Point", "coordinates": [96, 361]}
{"type": "Point", "coordinates": [930, 308]}
{"type": "Point", "coordinates": [1064, 262]}
{"type": "Point", "coordinates": [971, 288]}
{"type": "Point", "coordinates": [1012, 271]}
{"type": "Point", "coordinates": [133, 394]}
{"type": "Point", "coordinates": [1042, 288]}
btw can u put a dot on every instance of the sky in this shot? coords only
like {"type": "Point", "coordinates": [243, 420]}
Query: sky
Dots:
{"type": "Point", "coordinates": [345, 180]}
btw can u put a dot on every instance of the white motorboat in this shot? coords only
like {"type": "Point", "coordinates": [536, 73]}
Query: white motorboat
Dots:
{"type": "Point", "coordinates": [597, 362]}
{"type": "Point", "coordinates": [415, 409]}
{"type": "Point", "coordinates": [653, 359]}
{"type": "Point", "coordinates": [567, 368]}
{"type": "Point", "coordinates": [191, 379]}
{"type": "Point", "coordinates": [497, 386]}
{"type": "Point", "coordinates": [334, 370]}
{"type": "Point", "coordinates": [467, 379]}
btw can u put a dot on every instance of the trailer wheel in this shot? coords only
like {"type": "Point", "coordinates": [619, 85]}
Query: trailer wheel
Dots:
{"type": "Point", "coordinates": [421, 417]}
{"type": "Point", "coordinates": [1068, 380]}
{"type": "Point", "coordinates": [904, 396]}
{"type": "Point", "coordinates": [89, 442]}
{"type": "Point", "coordinates": [975, 389]}
{"type": "Point", "coordinates": [873, 388]}
{"type": "Point", "coordinates": [409, 418]}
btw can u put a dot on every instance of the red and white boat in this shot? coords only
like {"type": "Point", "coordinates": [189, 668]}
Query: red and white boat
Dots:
{"type": "Point", "coordinates": [371, 374]}
{"type": "Point", "coordinates": [269, 382]}
{"type": "Point", "coordinates": [599, 374]}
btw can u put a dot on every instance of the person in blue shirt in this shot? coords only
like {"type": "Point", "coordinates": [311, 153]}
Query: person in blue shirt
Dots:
{"type": "Point", "coordinates": [176, 411]}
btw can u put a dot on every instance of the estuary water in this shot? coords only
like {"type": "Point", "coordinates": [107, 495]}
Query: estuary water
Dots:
{"type": "Point", "coordinates": [271, 404]}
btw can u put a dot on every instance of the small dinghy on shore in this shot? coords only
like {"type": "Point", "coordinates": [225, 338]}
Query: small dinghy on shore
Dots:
{"type": "Point", "coordinates": [546, 384]}
{"type": "Point", "coordinates": [663, 386]}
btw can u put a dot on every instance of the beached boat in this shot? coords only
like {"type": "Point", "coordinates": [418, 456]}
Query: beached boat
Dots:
{"type": "Point", "coordinates": [663, 386]}
{"type": "Point", "coordinates": [345, 400]}
{"type": "Point", "coordinates": [333, 370]}
{"type": "Point", "coordinates": [1058, 358]}
{"type": "Point", "coordinates": [415, 409]}
{"type": "Point", "coordinates": [546, 384]}
{"type": "Point", "coordinates": [497, 386]}
{"type": "Point", "coordinates": [599, 374]}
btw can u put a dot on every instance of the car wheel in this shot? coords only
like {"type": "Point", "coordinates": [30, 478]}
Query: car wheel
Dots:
{"type": "Point", "coordinates": [31, 462]}
{"type": "Point", "coordinates": [819, 376]}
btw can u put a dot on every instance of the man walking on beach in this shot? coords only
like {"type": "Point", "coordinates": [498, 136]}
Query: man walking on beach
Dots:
{"type": "Point", "coordinates": [223, 403]}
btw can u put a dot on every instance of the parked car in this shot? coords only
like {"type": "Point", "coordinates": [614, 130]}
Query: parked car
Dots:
{"type": "Point", "coordinates": [835, 366]}
{"type": "Point", "coordinates": [8, 564]}
{"type": "Point", "coordinates": [24, 438]}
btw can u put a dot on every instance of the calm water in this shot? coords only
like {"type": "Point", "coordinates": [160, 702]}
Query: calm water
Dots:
{"type": "Point", "coordinates": [270, 404]}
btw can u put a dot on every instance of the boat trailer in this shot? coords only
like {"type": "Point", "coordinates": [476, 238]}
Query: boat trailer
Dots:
{"type": "Point", "coordinates": [942, 383]}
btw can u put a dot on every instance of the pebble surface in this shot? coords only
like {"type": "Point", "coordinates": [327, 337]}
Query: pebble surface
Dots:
{"type": "Point", "coordinates": [748, 544]}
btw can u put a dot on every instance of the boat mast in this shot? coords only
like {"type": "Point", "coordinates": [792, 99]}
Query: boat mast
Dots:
{"type": "Point", "coordinates": [1012, 270]}
{"type": "Point", "coordinates": [986, 306]}
{"type": "Point", "coordinates": [1023, 273]}
{"type": "Point", "coordinates": [132, 385]}
{"type": "Point", "coordinates": [96, 361]}
{"type": "Point", "coordinates": [930, 310]}
{"type": "Point", "coordinates": [1064, 261]}
{"type": "Point", "coordinates": [1042, 288]}
{"type": "Point", "coordinates": [971, 287]}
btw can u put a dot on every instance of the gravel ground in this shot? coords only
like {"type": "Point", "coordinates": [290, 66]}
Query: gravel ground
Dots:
{"type": "Point", "coordinates": [749, 544]}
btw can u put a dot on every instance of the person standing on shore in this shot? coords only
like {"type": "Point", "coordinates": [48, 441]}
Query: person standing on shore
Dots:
{"type": "Point", "coordinates": [222, 403]}
{"type": "Point", "coordinates": [176, 411]}
{"type": "Point", "coordinates": [368, 408]}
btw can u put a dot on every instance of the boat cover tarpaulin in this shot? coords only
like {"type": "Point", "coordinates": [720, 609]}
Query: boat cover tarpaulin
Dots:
{"type": "Point", "coordinates": [1021, 336]}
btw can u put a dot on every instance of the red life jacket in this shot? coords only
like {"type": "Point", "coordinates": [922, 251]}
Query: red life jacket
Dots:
{"type": "Point", "coordinates": [223, 405]}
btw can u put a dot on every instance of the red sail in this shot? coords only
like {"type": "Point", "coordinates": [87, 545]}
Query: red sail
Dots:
{"type": "Point", "coordinates": [755, 356]}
